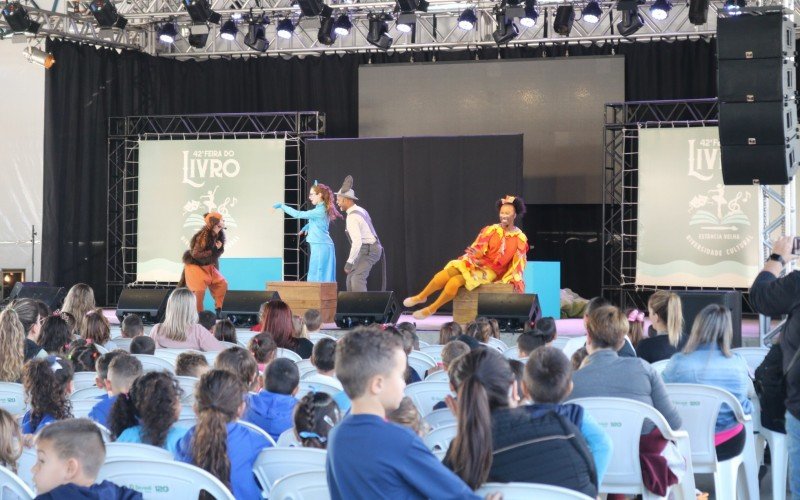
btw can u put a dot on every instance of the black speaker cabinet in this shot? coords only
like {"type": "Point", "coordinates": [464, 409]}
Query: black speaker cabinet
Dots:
{"type": "Point", "coordinates": [364, 308]}
{"type": "Point", "coordinates": [777, 123]}
{"type": "Point", "coordinates": [53, 296]}
{"type": "Point", "coordinates": [746, 165]}
{"type": "Point", "coordinates": [756, 80]}
{"type": "Point", "coordinates": [693, 301]}
{"type": "Point", "coordinates": [149, 304]}
{"type": "Point", "coordinates": [242, 306]}
{"type": "Point", "coordinates": [513, 311]}
{"type": "Point", "coordinates": [755, 33]}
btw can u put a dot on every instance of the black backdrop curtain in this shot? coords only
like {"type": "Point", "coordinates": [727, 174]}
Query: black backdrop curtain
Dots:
{"type": "Point", "coordinates": [88, 85]}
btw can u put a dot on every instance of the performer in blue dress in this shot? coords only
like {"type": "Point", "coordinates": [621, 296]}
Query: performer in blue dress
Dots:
{"type": "Point", "coordinates": [322, 264]}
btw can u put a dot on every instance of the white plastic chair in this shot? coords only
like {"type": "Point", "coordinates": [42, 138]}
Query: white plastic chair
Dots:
{"type": "Point", "coordinates": [155, 363]}
{"type": "Point", "coordinates": [511, 353]}
{"type": "Point", "coordinates": [753, 356]}
{"type": "Point", "coordinates": [82, 380]}
{"type": "Point", "coordinates": [211, 356]}
{"type": "Point", "coordinates": [440, 437]}
{"type": "Point", "coordinates": [308, 485]}
{"type": "Point", "coordinates": [439, 454]}
{"type": "Point", "coordinates": [305, 367]}
{"type": "Point", "coordinates": [622, 420]}
{"type": "Point", "coordinates": [253, 427]}
{"type": "Point", "coordinates": [82, 407]}
{"type": "Point", "coordinates": [560, 342]}
{"type": "Point", "coordinates": [317, 336]}
{"type": "Point", "coordinates": [243, 336]}
{"type": "Point", "coordinates": [24, 465]}
{"type": "Point", "coordinates": [426, 394]}
{"type": "Point", "coordinates": [306, 386]}
{"type": "Point", "coordinates": [274, 463]}
{"type": "Point", "coordinates": [88, 393]}
{"type": "Point", "coordinates": [289, 354]}
{"type": "Point", "coordinates": [659, 366]}
{"type": "Point", "coordinates": [573, 345]}
{"type": "Point", "coordinates": [422, 344]}
{"type": "Point", "coordinates": [123, 343]}
{"type": "Point", "coordinates": [698, 406]}
{"type": "Point", "coordinates": [440, 418]}
{"type": "Point", "coordinates": [187, 384]}
{"type": "Point", "coordinates": [779, 454]}
{"type": "Point", "coordinates": [420, 362]}
{"type": "Point", "coordinates": [158, 479]}
{"type": "Point", "coordinates": [287, 439]}
{"type": "Point", "coordinates": [228, 345]}
{"type": "Point", "coordinates": [102, 350]}
{"type": "Point", "coordinates": [170, 355]}
{"type": "Point", "coordinates": [135, 451]}
{"type": "Point", "coordinates": [12, 487]}
{"type": "Point", "coordinates": [12, 398]}
{"type": "Point", "coordinates": [527, 491]}
{"type": "Point", "coordinates": [497, 344]}
{"type": "Point", "coordinates": [433, 350]}
{"type": "Point", "coordinates": [438, 376]}
{"type": "Point", "coordinates": [103, 432]}
{"type": "Point", "coordinates": [187, 417]}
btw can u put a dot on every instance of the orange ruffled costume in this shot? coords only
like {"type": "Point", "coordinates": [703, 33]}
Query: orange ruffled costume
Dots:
{"type": "Point", "coordinates": [496, 255]}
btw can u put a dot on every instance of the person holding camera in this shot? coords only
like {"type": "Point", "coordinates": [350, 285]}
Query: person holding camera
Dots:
{"type": "Point", "coordinates": [773, 295]}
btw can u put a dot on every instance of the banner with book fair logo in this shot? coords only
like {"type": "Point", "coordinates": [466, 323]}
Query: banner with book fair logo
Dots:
{"type": "Point", "coordinates": [692, 229]}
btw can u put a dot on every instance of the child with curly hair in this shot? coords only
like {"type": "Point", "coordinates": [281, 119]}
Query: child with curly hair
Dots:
{"type": "Point", "coordinates": [48, 384]}
{"type": "Point", "coordinates": [55, 336]}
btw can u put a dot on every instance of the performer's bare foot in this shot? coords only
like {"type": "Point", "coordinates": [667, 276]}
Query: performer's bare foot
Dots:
{"type": "Point", "coordinates": [422, 313]}
{"type": "Point", "coordinates": [413, 301]}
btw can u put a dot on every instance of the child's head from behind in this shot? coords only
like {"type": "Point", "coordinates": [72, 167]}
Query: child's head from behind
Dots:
{"type": "Point", "coordinates": [452, 350]}
{"type": "Point", "coordinates": [282, 376]}
{"type": "Point", "coordinates": [578, 357]}
{"type": "Point", "coordinates": [323, 356]}
{"type": "Point", "coordinates": [480, 330]}
{"type": "Point", "coordinates": [101, 366]}
{"type": "Point", "coordinates": [207, 319]}
{"type": "Point", "coordinates": [314, 416]}
{"type": "Point", "coordinates": [407, 415]}
{"type": "Point", "coordinates": [69, 451]}
{"type": "Point", "coordinates": [122, 371]}
{"type": "Point", "coordinates": [55, 336]}
{"type": "Point", "coordinates": [448, 331]}
{"type": "Point", "coordinates": [548, 375]}
{"type": "Point", "coordinates": [225, 331]}
{"type": "Point", "coordinates": [10, 440]}
{"type": "Point", "coordinates": [409, 329]}
{"type": "Point", "coordinates": [132, 326]}
{"type": "Point", "coordinates": [313, 320]}
{"type": "Point", "coordinates": [143, 345]}
{"type": "Point", "coordinates": [191, 364]}
{"type": "Point", "coordinates": [371, 364]}
{"type": "Point", "coordinates": [263, 348]}
{"type": "Point", "coordinates": [48, 384]}
{"type": "Point", "coordinates": [241, 363]}
{"type": "Point", "coordinates": [97, 328]}
{"type": "Point", "coordinates": [527, 342]}
{"type": "Point", "coordinates": [153, 402]}
{"type": "Point", "coordinates": [84, 355]}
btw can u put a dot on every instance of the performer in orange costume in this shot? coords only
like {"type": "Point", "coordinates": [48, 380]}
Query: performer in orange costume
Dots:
{"type": "Point", "coordinates": [201, 262]}
{"type": "Point", "coordinates": [498, 254]}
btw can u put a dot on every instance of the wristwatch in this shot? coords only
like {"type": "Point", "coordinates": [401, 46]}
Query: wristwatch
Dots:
{"type": "Point", "coordinates": [777, 258]}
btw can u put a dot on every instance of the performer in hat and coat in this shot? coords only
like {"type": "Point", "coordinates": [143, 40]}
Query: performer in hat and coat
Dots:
{"type": "Point", "coordinates": [322, 263]}
{"type": "Point", "coordinates": [365, 247]}
{"type": "Point", "coordinates": [201, 262]}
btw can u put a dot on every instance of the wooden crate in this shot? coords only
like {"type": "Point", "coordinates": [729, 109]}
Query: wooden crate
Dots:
{"type": "Point", "coordinates": [465, 305]}
{"type": "Point", "coordinates": [302, 296]}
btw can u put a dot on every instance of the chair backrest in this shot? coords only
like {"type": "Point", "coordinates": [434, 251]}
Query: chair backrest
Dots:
{"type": "Point", "coordinates": [102, 350]}
{"type": "Point", "coordinates": [24, 465]}
{"type": "Point", "coordinates": [275, 463]}
{"type": "Point", "coordinates": [308, 485]}
{"type": "Point", "coordinates": [420, 362]}
{"type": "Point", "coordinates": [82, 380]}
{"type": "Point", "coordinates": [103, 432]}
{"type": "Point", "coordinates": [187, 384]}
{"type": "Point", "coordinates": [12, 398]}
{"type": "Point", "coordinates": [659, 366]}
{"type": "Point", "coordinates": [440, 437]}
{"type": "Point", "coordinates": [497, 344]}
{"type": "Point", "coordinates": [171, 354]}
{"type": "Point", "coordinates": [426, 394]}
{"type": "Point", "coordinates": [287, 353]}
{"type": "Point", "coordinates": [228, 345]}
{"type": "Point", "coordinates": [87, 393]}
{"type": "Point", "coordinates": [287, 439]}
{"type": "Point", "coordinates": [698, 405]}
{"type": "Point", "coordinates": [187, 417]}
{"type": "Point", "coordinates": [82, 407]}
{"type": "Point", "coordinates": [243, 336]}
{"type": "Point", "coordinates": [438, 376]}
{"type": "Point", "coordinates": [155, 363]}
{"type": "Point", "coordinates": [315, 386]}
{"type": "Point", "coordinates": [163, 479]}
{"type": "Point", "coordinates": [433, 350]}
{"type": "Point", "coordinates": [317, 336]}
{"type": "Point", "coordinates": [753, 356]}
{"type": "Point", "coordinates": [439, 418]}
{"type": "Point", "coordinates": [305, 367]}
{"type": "Point", "coordinates": [135, 451]}
{"type": "Point", "coordinates": [526, 491]}
{"type": "Point", "coordinates": [211, 356]}
{"type": "Point", "coordinates": [511, 353]}
{"type": "Point", "coordinates": [123, 343]}
{"type": "Point", "coordinates": [253, 427]}
{"type": "Point", "coordinates": [422, 344]}
{"type": "Point", "coordinates": [573, 345]}
{"type": "Point", "coordinates": [12, 487]}
{"type": "Point", "coordinates": [560, 342]}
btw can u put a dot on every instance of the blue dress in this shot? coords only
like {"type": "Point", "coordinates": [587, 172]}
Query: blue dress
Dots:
{"type": "Point", "coordinates": [322, 264]}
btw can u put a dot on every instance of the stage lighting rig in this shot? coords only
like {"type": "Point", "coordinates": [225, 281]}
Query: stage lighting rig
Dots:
{"type": "Point", "coordinates": [343, 25]}
{"type": "Point", "coordinates": [106, 15]}
{"type": "Point", "coordinates": [378, 33]}
{"type": "Point", "coordinates": [326, 34]}
{"type": "Point", "coordinates": [198, 35]}
{"type": "Point", "coordinates": [18, 19]}
{"type": "Point", "coordinates": [285, 28]}
{"type": "Point", "coordinates": [565, 17]}
{"type": "Point", "coordinates": [592, 12]}
{"type": "Point", "coordinates": [200, 11]}
{"type": "Point", "coordinates": [168, 32]}
{"type": "Point", "coordinates": [506, 29]}
{"type": "Point", "coordinates": [530, 15]}
{"type": "Point", "coordinates": [228, 31]}
{"type": "Point", "coordinates": [36, 55]}
{"type": "Point", "coordinates": [631, 19]}
{"type": "Point", "coordinates": [406, 21]}
{"type": "Point", "coordinates": [467, 19]}
{"type": "Point", "coordinates": [660, 9]}
{"type": "Point", "coordinates": [698, 12]}
{"type": "Point", "coordinates": [256, 37]}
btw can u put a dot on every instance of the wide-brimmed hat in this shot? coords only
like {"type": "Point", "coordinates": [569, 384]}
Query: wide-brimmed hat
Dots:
{"type": "Point", "coordinates": [347, 189]}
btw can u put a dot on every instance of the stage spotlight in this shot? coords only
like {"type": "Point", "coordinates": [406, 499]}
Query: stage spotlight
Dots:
{"type": "Point", "coordinates": [660, 9]}
{"type": "Point", "coordinates": [256, 37]}
{"type": "Point", "coordinates": [506, 29]}
{"type": "Point", "coordinates": [106, 15]}
{"type": "Point", "coordinates": [531, 14]}
{"type": "Point", "coordinates": [698, 12]}
{"type": "Point", "coordinates": [200, 11]}
{"type": "Point", "coordinates": [406, 22]}
{"type": "Point", "coordinates": [285, 28]}
{"type": "Point", "coordinates": [631, 22]}
{"type": "Point", "coordinates": [228, 31]}
{"type": "Point", "coordinates": [198, 35]}
{"type": "Point", "coordinates": [18, 19]}
{"type": "Point", "coordinates": [565, 16]}
{"type": "Point", "coordinates": [591, 13]}
{"type": "Point", "coordinates": [378, 34]}
{"type": "Point", "coordinates": [412, 6]}
{"type": "Point", "coordinates": [38, 56]}
{"type": "Point", "coordinates": [735, 5]}
{"type": "Point", "coordinates": [168, 32]}
{"type": "Point", "coordinates": [313, 8]}
{"type": "Point", "coordinates": [467, 19]}
{"type": "Point", "coordinates": [327, 33]}
{"type": "Point", "coordinates": [343, 25]}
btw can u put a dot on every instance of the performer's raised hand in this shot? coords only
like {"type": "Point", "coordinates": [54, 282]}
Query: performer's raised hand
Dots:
{"type": "Point", "coordinates": [218, 244]}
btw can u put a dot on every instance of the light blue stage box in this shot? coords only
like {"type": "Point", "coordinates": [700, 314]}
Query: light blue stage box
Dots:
{"type": "Point", "coordinates": [544, 279]}
{"type": "Point", "coordinates": [247, 274]}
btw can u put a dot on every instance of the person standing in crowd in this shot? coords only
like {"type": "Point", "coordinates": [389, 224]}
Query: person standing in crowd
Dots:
{"type": "Point", "coordinates": [365, 247]}
{"type": "Point", "coordinates": [201, 262]}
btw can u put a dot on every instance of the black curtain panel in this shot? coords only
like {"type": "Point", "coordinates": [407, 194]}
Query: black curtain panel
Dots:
{"type": "Point", "coordinates": [428, 196]}
{"type": "Point", "coordinates": [88, 85]}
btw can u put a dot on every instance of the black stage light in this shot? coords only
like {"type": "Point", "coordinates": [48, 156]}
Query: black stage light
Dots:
{"type": "Point", "coordinates": [312, 8]}
{"type": "Point", "coordinates": [565, 16]}
{"type": "Point", "coordinates": [106, 15]}
{"type": "Point", "coordinates": [660, 9]}
{"type": "Point", "coordinates": [198, 35]}
{"type": "Point", "coordinates": [343, 25]}
{"type": "Point", "coordinates": [378, 34]}
{"type": "Point", "coordinates": [168, 32]}
{"type": "Point", "coordinates": [631, 22]}
{"type": "Point", "coordinates": [326, 34]}
{"type": "Point", "coordinates": [467, 19]}
{"type": "Point", "coordinates": [531, 14]}
{"type": "Point", "coordinates": [735, 5]}
{"type": "Point", "coordinates": [506, 29]}
{"type": "Point", "coordinates": [200, 11]}
{"type": "Point", "coordinates": [285, 28]}
{"type": "Point", "coordinates": [698, 12]}
{"type": "Point", "coordinates": [412, 5]}
{"type": "Point", "coordinates": [406, 22]}
{"type": "Point", "coordinates": [256, 37]}
{"type": "Point", "coordinates": [592, 12]}
{"type": "Point", "coordinates": [18, 19]}
{"type": "Point", "coordinates": [228, 31]}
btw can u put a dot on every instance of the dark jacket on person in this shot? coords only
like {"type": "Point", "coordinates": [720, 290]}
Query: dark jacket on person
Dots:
{"type": "Point", "coordinates": [655, 349]}
{"type": "Point", "coordinates": [102, 491]}
{"type": "Point", "coordinates": [208, 254]}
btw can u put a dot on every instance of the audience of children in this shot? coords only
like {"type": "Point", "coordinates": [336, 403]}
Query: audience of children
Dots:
{"type": "Point", "coordinates": [123, 370]}
{"type": "Point", "coordinates": [180, 329]}
{"type": "Point", "coordinates": [314, 416]}
{"type": "Point", "coordinates": [48, 384]}
{"type": "Point", "coordinates": [271, 408]}
{"type": "Point", "coordinates": [241, 363]}
{"type": "Point", "coordinates": [142, 345]}
{"type": "Point", "coordinates": [313, 321]}
{"type": "Point", "coordinates": [191, 364]}
{"type": "Point", "coordinates": [323, 358]}
{"type": "Point", "coordinates": [264, 349]}
{"type": "Point", "coordinates": [97, 330]}
{"type": "Point", "coordinates": [131, 326]}
{"type": "Point", "coordinates": [55, 336]}
{"type": "Point", "coordinates": [224, 331]}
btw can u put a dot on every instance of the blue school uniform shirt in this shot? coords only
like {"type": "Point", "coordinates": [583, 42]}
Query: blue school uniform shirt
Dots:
{"type": "Point", "coordinates": [270, 411]}
{"type": "Point", "coordinates": [102, 491]}
{"type": "Point", "coordinates": [244, 445]}
{"type": "Point", "coordinates": [371, 458]}
{"type": "Point", "coordinates": [27, 425]}
{"type": "Point", "coordinates": [134, 435]}
{"type": "Point", "coordinates": [102, 409]}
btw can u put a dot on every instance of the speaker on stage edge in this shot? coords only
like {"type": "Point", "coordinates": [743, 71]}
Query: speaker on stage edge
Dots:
{"type": "Point", "coordinates": [365, 308]}
{"type": "Point", "coordinates": [53, 296]}
{"type": "Point", "coordinates": [241, 307]}
{"type": "Point", "coordinates": [514, 312]}
{"type": "Point", "coordinates": [148, 303]}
